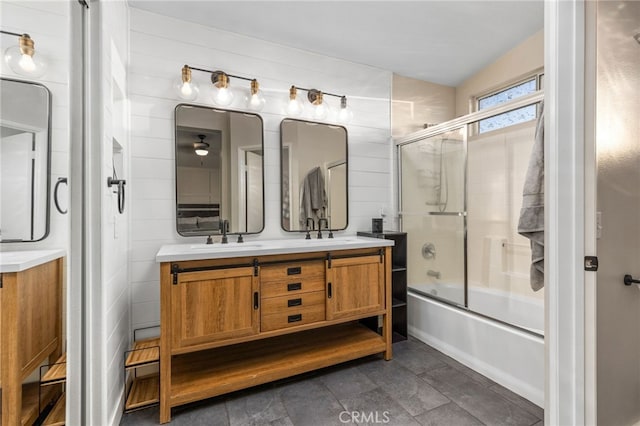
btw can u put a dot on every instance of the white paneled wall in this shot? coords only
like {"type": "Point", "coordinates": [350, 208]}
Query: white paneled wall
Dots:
{"type": "Point", "coordinates": [115, 323]}
{"type": "Point", "coordinates": [160, 46]}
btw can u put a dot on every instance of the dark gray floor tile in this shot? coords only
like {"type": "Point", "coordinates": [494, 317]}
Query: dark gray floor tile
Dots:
{"type": "Point", "coordinates": [412, 393]}
{"type": "Point", "coordinates": [478, 400]}
{"type": "Point", "coordinates": [448, 414]}
{"type": "Point", "coordinates": [285, 421]}
{"type": "Point", "coordinates": [375, 407]}
{"type": "Point", "coordinates": [210, 412]}
{"type": "Point", "coordinates": [255, 408]}
{"type": "Point", "coordinates": [347, 381]}
{"type": "Point", "coordinates": [483, 380]}
{"type": "Point", "coordinates": [148, 416]}
{"type": "Point", "coordinates": [540, 423]}
{"type": "Point", "coordinates": [519, 401]}
{"type": "Point", "coordinates": [310, 403]}
{"type": "Point", "coordinates": [412, 356]}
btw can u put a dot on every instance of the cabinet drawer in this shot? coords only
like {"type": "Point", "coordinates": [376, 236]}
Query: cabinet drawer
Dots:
{"type": "Point", "coordinates": [289, 311]}
{"type": "Point", "coordinates": [291, 287]}
{"type": "Point", "coordinates": [293, 272]}
{"type": "Point", "coordinates": [294, 302]}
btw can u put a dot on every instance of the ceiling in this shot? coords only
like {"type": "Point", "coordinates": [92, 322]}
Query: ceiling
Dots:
{"type": "Point", "coordinates": [443, 42]}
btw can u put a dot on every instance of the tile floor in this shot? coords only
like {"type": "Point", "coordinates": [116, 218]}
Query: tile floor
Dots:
{"type": "Point", "coordinates": [420, 386]}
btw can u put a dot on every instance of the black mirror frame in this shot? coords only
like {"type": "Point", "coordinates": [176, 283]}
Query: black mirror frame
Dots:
{"type": "Point", "coordinates": [48, 202]}
{"type": "Point", "coordinates": [175, 164]}
{"type": "Point", "coordinates": [346, 152]}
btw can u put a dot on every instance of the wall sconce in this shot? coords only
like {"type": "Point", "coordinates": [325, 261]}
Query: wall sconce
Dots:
{"type": "Point", "coordinates": [201, 148]}
{"type": "Point", "coordinates": [186, 88]}
{"type": "Point", "coordinates": [320, 108]}
{"type": "Point", "coordinates": [22, 58]}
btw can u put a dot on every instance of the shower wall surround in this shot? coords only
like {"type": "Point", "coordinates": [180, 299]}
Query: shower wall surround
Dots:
{"type": "Point", "coordinates": [160, 46]}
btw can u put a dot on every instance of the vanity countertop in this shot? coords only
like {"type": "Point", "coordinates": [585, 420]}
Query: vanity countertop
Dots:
{"type": "Point", "coordinates": [179, 252]}
{"type": "Point", "coordinates": [16, 261]}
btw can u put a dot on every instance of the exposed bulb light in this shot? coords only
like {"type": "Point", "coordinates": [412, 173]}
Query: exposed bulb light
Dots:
{"type": "Point", "coordinates": [201, 148]}
{"type": "Point", "coordinates": [295, 106]}
{"type": "Point", "coordinates": [22, 58]}
{"type": "Point", "coordinates": [255, 101]}
{"type": "Point", "coordinates": [185, 87]}
{"type": "Point", "coordinates": [345, 115]}
{"type": "Point", "coordinates": [320, 108]}
{"type": "Point", "coordinates": [222, 94]}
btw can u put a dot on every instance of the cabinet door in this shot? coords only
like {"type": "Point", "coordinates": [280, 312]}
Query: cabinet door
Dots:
{"type": "Point", "coordinates": [355, 286]}
{"type": "Point", "coordinates": [208, 306]}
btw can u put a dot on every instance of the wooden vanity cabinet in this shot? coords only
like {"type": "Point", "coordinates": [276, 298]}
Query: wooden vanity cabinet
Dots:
{"type": "Point", "coordinates": [31, 324]}
{"type": "Point", "coordinates": [208, 306]}
{"type": "Point", "coordinates": [229, 324]}
{"type": "Point", "coordinates": [355, 286]}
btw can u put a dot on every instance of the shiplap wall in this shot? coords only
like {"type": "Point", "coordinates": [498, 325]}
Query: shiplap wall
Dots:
{"type": "Point", "coordinates": [160, 46]}
{"type": "Point", "coordinates": [116, 294]}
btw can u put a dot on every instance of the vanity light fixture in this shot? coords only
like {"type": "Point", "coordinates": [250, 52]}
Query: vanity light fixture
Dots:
{"type": "Point", "coordinates": [185, 87]}
{"type": "Point", "coordinates": [22, 57]}
{"type": "Point", "coordinates": [320, 108]}
{"type": "Point", "coordinates": [201, 148]}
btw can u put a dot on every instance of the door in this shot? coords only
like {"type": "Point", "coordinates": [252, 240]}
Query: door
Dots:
{"type": "Point", "coordinates": [355, 286]}
{"type": "Point", "coordinates": [208, 306]}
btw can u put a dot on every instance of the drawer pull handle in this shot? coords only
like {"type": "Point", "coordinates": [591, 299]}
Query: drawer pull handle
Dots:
{"type": "Point", "coordinates": [294, 271]}
{"type": "Point", "coordinates": [294, 302]}
{"type": "Point", "coordinates": [294, 286]}
{"type": "Point", "coordinates": [294, 318]}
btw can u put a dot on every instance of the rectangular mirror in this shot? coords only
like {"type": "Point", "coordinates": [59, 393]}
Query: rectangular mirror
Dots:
{"type": "Point", "coordinates": [219, 171]}
{"type": "Point", "coordinates": [25, 158]}
{"type": "Point", "coordinates": [314, 172]}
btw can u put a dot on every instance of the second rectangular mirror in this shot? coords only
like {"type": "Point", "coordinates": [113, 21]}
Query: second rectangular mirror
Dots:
{"type": "Point", "coordinates": [313, 175]}
{"type": "Point", "coordinates": [219, 171]}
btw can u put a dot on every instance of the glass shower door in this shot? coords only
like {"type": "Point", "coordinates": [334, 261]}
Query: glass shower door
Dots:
{"type": "Point", "coordinates": [433, 211]}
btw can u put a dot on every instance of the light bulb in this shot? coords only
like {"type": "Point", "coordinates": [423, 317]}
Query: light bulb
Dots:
{"type": "Point", "coordinates": [22, 58]}
{"type": "Point", "coordinates": [27, 64]}
{"type": "Point", "coordinates": [255, 101]}
{"type": "Point", "coordinates": [185, 87]}
{"type": "Point", "coordinates": [295, 106]}
{"type": "Point", "coordinates": [345, 115]}
{"type": "Point", "coordinates": [221, 93]}
{"type": "Point", "coordinates": [320, 109]}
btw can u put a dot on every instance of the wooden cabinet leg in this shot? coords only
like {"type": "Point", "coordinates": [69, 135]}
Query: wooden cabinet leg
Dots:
{"type": "Point", "coordinates": [387, 333]}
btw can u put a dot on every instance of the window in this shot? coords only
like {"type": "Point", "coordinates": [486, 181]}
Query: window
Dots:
{"type": "Point", "coordinates": [510, 118]}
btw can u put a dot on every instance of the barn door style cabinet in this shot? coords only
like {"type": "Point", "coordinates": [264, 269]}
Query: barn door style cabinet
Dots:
{"type": "Point", "coordinates": [245, 317]}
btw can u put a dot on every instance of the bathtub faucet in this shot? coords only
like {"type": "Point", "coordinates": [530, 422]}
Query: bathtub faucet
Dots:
{"type": "Point", "coordinates": [434, 274]}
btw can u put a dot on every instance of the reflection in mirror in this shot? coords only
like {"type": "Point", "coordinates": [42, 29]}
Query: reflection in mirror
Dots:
{"type": "Point", "coordinates": [314, 175]}
{"type": "Point", "coordinates": [219, 171]}
{"type": "Point", "coordinates": [25, 131]}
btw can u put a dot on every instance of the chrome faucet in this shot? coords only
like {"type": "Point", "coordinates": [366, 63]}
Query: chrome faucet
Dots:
{"type": "Point", "coordinates": [209, 240]}
{"type": "Point", "coordinates": [224, 226]}
{"type": "Point", "coordinates": [313, 227]}
{"type": "Point", "coordinates": [326, 225]}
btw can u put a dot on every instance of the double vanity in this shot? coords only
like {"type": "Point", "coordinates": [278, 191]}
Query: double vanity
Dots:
{"type": "Point", "coordinates": [242, 314]}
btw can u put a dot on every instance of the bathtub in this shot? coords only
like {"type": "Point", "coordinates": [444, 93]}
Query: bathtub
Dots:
{"type": "Point", "coordinates": [511, 357]}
